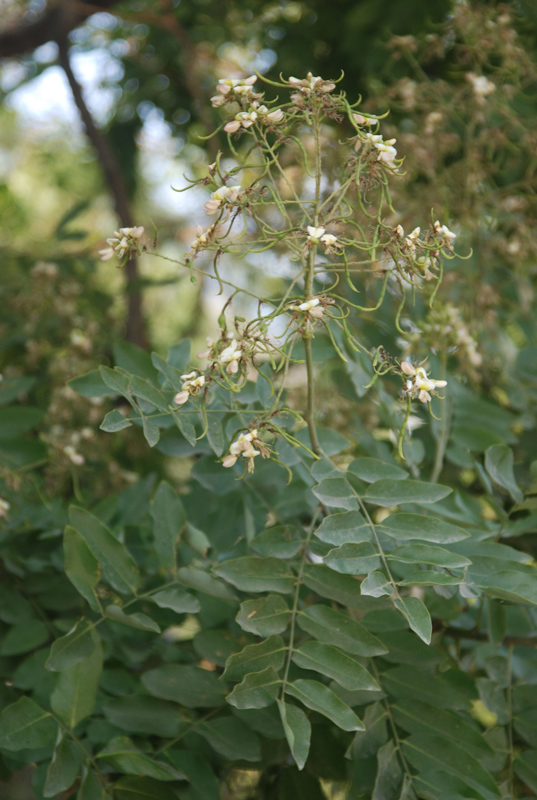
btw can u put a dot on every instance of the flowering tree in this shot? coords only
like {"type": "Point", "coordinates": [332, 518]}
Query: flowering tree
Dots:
{"type": "Point", "coordinates": [296, 621]}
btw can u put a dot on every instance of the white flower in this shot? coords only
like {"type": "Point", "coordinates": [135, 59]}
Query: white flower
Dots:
{"type": "Point", "coordinates": [412, 238]}
{"type": "Point", "coordinates": [243, 119]}
{"type": "Point", "coordinates": [309, 307]}
{"type": "Point", "coordinates": [274, 117]}
{"type": "Point", "coordinates": [420, 384]}
{"type": "Point", "coordinates": [361, 120]}
{"type": "Point", "coordinates": [399, 231]}
{"type": "Point", "coordinates": [4, 507]}
{"type": "Point", "coordinates": [480, 84]}
{"type": "Point", "coordinates": [73, 456]}
{"type": "Point", "coordinates": [125, 241]}
{"type": "Point", "coordinates": [224, 195]}
{"type": "Point", "coordinates": [314, 234]}
{"type": "Point", "coordinates": [202, 237]}
{"type": "Point", "coordinates": [447, 235]}
{"type": "Point", "coordinates": [230, 356]}
{"type": "Point", "coordinates": [328, 239]}
{"type": "Point", "coordinates": [193, 383]}
{"type": "Point", "coordinates": [387, 151]}
{"type": "Point", "coordinates": [243, 446]}
{"type": "Point", "coordinates": [373, 138]}
{"type": "Point", "coordinates": [310, 82]}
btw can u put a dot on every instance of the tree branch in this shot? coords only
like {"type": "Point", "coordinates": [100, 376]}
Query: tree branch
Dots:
{"type": "Point", "coordinates": [135, 332]}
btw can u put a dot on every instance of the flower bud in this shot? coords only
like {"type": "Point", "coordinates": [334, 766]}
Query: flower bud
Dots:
{"type": "Point", "coordinates": [181, 398]}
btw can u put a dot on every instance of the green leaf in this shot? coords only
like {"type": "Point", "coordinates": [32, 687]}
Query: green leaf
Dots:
{"type": "Point", "coordinates": [73, 647]}
{"type": "Point", "coordinates": [264, 616]}
{"type": "Point", "coordinates": [187, 685]}
{"type": "Point", "coordinates": [335, 664]}
{"type": "Point", "coordinates": [231, 738]}
{"type": "Point", "coordinates": [428, 554]}
{"type": "Point", "coordinates": [90, 385]}
{"type": "Point", "coordinates": [24, 637]}
{"type": "Point", "coordinates": [279, 542]}
{"type": "Point", "coordinates": [250, 574]}
{"type": "Point", "coordinates": [371, 470]}
{"type": "Point", "coordinates": [415, 716]}
{"type": "Point", "coordinates": [141, 788]}
{"type": "Point", "coordinates": [169, 519]}
{"type": "Point", "coordinates": [74, 695]}
{"type": "Point", "coordinates": [511, 585]}
{"type": "Point", "coordinates": [257, 690]}
{"type": "Point", "coordinates": [144, 714]}
{"type": "Point", "coordinates": [255, 657]}
{"type": "Point", "coordinates": [418, 526]}
{"type": "Point", "coordinates": [146, 391]}
{"type": "Point", "coordinates": [81, 567]}
{"type": "Point", "coordinates": [376, 584]}
{"type": "Point", "coordinates": [151, 431]}
{"type": "Point", "coordinates": [526, 769]}
{"type": "Point", "coordinates": [64, 767]}
{"type": "Point", "coordinates": [499, 465]}
{"type": "Point", "coordinates": [367, 743]}
{"type": "Point", "coordinates": [140, 621]}
{"type": "Point", "coordinates": [326, 582]}
{"type": "Point", "coordinates": [24, 726]}
{"type": "Point", "coordinates": [118, 567]}
{"type": "Point", "coordinates": [90, 788]}
{"type": "Point", "coordinates": [337, 628]}
{"type": "Point", "coordinates": [179, 355]}
{"type": "Point", "coordinates": [114, 421]}
{"type": "Point", "coordinates": [408, 682]}
{"type": "Point", "coordinates": [428, 577]}
{"type": "Point", "coordinates": [177, 600]}
{"type": "Point", "coordinates": [320, 698]}
{"type": "Point", "coordinates": [417, 615]}
{"type": "Point", "coordinates": [116, 381]}
{"type": "Point", "coordinates": [353, 559]}
{"type": "Point", "coordinates": [392, 493]}
{"type": "Point", "coordinates": [18, 420]}
{"type": "Point", "coordinates": [133, 359]}
{"type": "Point", "coordinates": [122, 754]}
{"type": "Point", "coordinates": [433, 753]}
{"type": "Point", "coordinates": [297, 731]}
{"type": "Point", "coordinates": [171, 373]}
{"type": "Point", "coordinates": [389, 774]}
{"type": "Point", "coordinates": [186, 427]}
{"type": "Point", "coordinates": [204, 785]}
{"type": "Point", "coordinates": [348, 526]}
{"type": "Point", "coordinates": [203, 582]}
{"type": "Point", "coordinates": [336, 493]}
{"type": "Point", "coordinates": [215, 434]}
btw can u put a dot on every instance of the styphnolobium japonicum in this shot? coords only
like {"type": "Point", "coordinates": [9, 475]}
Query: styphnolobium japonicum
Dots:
{"type": "Point", "coordinates": [308, 613]}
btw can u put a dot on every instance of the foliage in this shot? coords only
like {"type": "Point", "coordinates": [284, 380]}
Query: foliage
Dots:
{"type": "Point", "coordinates": [315, 615]}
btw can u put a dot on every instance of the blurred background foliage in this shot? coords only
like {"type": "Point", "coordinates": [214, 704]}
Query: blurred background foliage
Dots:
{"type": "Point", "coordinates": [147, 71]}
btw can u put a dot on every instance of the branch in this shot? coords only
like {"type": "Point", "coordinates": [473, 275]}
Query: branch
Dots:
{"type": "Point", "coordinates": [56, 23]}
{"type": "Point", "coordinates": [135, 332]}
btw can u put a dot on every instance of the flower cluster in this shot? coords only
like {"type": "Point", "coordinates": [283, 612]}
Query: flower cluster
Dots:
{"type": "Point", "coordinates": [193, 384]}
{"type": "Point", "coordinates": [234, 90]}
{"type": "Point", "coordinates": [245, 119]}
{"type": "Point", "coordinates": [318, 236]}
{"type": "Point", "coordinates": [309, 307]}
{"type": "Point", "coordinates": [225, 196]}
{"type": "Point", "coordinates": [231, 356]}
{"type": "Point", "coordinates": [419, 385]}
{"type": "Point", "coordinates": [445, 234]}
{"type": "Point", "coordinates": [306, 86]}
{"type": "Point", "coordinates": [385, 151]}
{"type": "Point", "coordinates": [245, 446]}
{"type": "Point", "coordinates": [125, 242]}
{"type": "Point", "coordinates": [203, 237]}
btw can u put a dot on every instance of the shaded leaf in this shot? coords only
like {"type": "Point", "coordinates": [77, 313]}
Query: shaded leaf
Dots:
{"type": "Point", "coordinates": [417, 526]}
{"type": "Point", "coordinates": [499, 465]}
{"type": "Point", "coordinates": [251, 574]}
{"type": "Point", "coordinates": [74, 695]}
{"type": "Point", "coordinates": [231, 738]}
{"type": "Point", "coordinates": [124, 756]}
{"type": "Point", "coordinates": [140, 621]}
{"type": "Point", "coordinates": [81, 566]}
{"type": "Point", "coordinates": [320, 698]}
{"type": "Point", "coordinates": [64, 767]}
{"type": "Point", "coordinates": [348, 526]}
{"type": "Point", "coordinates": [372, 470]}
{"type": "Point", "coordinates": [73, 647]}
{"type": "Point", "coordinates": [353, 559]}
{"type": "Point", "coordinates": [264, 616]}
{"type": "Point", "coordinates": [169, 518]}
{"type": "Point", "coordinates": [297, 731]}
{"type": "Point", "coordinates": [255, 657]}
{"type": "Point", "coordinates": [417, 615]}
{"type": "Point", "coordinates": [24, 725]}
{"type": "Point", "coordinates": [187, 685]}
{"type": "Point", "coordinates": [393, 493]}
{"type": "Point", "coordinates": [257, 690]}
{"type": "Point", "coordinates": [335, 664]}
{"type": "Point", "coordinates": [337, 628]}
